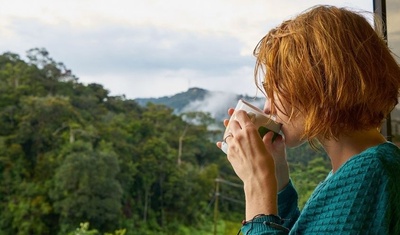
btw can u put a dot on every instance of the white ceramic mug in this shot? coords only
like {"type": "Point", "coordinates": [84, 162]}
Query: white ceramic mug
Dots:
{"type": "Point", "coordinates": [264, 122]}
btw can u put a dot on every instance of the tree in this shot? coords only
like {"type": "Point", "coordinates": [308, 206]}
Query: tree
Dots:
{"type": "Point", "coordinates": [40, 118]}
{"type": "Point", "coordinates": [85, 187]}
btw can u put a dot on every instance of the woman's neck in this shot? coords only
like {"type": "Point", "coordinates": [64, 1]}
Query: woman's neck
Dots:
{"type": "Point", "coordinates": [346, 146]}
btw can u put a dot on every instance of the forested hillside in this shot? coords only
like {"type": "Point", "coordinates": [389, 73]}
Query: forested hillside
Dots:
{"type": "Point", "coordinates": [71, 153]}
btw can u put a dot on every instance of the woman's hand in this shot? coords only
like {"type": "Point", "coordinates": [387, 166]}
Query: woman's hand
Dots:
{"type": "Point", "coordinates": [246, 150]}
{"type": "Point", "coordinates": [276, 149]}
{"type": "Point", "coordinates": [253, 163]}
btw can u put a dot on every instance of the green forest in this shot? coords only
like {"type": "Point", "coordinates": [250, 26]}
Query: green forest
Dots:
{"type": "Point", "coordinates": [76, 160]}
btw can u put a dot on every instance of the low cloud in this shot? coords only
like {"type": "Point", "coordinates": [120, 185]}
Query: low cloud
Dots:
{"type": "Point", "coordinates": [216, 103]}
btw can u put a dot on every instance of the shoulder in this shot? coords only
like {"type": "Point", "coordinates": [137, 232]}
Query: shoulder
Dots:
{"type": "Point", "coordinates": [382, 159]}
{"type": "Point", "coordinates": [368, 172]}
{"type": "Point", "coordinates": [350, 199]}
{"type": "Point", "coordinates": [388, 156]}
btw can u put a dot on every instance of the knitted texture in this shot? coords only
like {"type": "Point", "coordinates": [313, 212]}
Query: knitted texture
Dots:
{"type": "Point", "coordinates": [362, 197]}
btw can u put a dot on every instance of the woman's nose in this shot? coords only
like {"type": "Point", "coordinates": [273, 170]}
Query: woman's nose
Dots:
{"type": "Point", "coordinates": [267, 107]}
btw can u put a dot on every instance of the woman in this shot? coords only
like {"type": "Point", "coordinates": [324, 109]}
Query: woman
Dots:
{"type": "Point", "coordinates": [331, 81]}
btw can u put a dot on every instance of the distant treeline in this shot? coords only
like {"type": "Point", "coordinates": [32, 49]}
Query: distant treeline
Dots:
{"type": "Point", "coordinates": [71, 155]}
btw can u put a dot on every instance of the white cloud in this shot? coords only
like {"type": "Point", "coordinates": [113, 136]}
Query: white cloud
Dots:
{"type": "Point", "coordinates": [137, 84]}
{"type": "Point", "coordinates": [146, 84]}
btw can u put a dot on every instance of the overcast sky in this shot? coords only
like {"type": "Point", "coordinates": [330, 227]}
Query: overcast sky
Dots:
{"type": "Point", "coordinates": [151, 48]}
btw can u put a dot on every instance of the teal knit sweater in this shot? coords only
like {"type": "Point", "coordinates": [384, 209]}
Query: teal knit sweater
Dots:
{"type": "Point", "coordinates": [362, 197]}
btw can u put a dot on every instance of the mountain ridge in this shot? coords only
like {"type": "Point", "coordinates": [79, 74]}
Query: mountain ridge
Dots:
{"type": "Point", "coordinates": [216, 103]}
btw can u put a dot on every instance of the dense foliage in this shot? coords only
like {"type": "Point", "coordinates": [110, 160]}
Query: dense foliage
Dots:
{"type": "Point", "coordinates": [72, 155]}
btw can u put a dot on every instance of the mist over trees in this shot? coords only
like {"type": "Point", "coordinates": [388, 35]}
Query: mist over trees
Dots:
{"type": "Point", "coordinates": [72, 156]}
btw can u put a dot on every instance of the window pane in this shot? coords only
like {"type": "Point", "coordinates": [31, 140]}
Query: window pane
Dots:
{"type": "Point", "coordinates": [393, 36]}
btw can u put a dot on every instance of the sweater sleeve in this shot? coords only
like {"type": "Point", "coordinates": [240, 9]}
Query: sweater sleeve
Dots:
{"type": "Point", "coordinates": [264, 225]}
{"type": "Point", "coordinates": [288, 205]}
